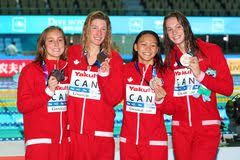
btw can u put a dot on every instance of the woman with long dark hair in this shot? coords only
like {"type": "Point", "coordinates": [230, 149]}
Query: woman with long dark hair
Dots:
{"type": "Point", "coordinates": [143, 90]}
{"type": "Point", "coordinates": [200, 71]}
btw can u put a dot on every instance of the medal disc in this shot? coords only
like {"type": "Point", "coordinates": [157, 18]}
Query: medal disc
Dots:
{"type": "Point", "coordinates": [185, 60]}
{"type": "Point", "coordinates": [154, 82]}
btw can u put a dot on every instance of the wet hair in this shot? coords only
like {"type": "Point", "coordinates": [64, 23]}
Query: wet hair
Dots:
{"type": "Point", "coordinates": [190, 40]}
{"type": "Point", "coordinates": [157, 58]}
{"type": "Point", "coordinates": [107, 42]}
{"type": "Point", "coordinates": [41, 51]}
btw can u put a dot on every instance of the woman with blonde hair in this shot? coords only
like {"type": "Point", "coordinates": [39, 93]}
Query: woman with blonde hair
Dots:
{"type": "Point", "coordinates": [91, 118]}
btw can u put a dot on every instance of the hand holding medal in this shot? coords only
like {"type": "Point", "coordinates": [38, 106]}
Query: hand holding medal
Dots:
{"type": "Point", "coordinates": [104, 64]}
{"type": "Point", "coordinates": [156, 84]}
{"type": "Point", "coordinates": [194, 66]}
{"type": "Point", "coordinates": [191, 62]}
{"type": "Point", "coordinates": [104, 69]}
{"type": "Point", "coordinates": [186, 58]}
{"type": "Point", "coordinates": [52, 83]}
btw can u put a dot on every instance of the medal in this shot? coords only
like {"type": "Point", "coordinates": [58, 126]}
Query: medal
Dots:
{"type": "Point", "coordinates": [185, 59]}
{"type": "Point", "coordinates": [154, 82]}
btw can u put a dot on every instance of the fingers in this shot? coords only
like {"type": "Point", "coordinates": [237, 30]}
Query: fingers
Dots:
{"type": "Point", "coordinates": [160, 92]}
{"type": "Point", "coordinates": [52, 83]}
{"type": "Point", "coordinates": [105, 65]}
{"type": "Point", "coordinates": [194, 66]}
{"type": "Point", "coordinates": [193, 60]}
{"type": "Point", "coordinates": [107, 60]}
{"type": "Point", "coordinates": [154, 82]}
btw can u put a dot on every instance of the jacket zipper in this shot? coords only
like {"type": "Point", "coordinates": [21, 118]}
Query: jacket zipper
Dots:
{"type": "Point", "coordinates": [189, 112]}
{"type": "Point", "coordinates": [82, 119]}
{"type": "Point", "coordinates": [83, 110]}
{"type": "Point", "coordinates": [61, 129]}
{"type": "Point", "coordinates": [138, 114]}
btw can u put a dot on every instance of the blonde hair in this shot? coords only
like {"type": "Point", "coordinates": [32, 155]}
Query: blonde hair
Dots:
{"type": "Point", "coordinates": [107, 42]}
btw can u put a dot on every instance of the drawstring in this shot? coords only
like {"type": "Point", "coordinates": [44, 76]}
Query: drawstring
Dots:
{"type": "Point", "coordinates": [138, 114]}
{"type": "Point", "coordinates": [84, 106]}
{"type": "Point", "coordinates": [143, 76]}
{"type": "Point", "coordinates": [61, 129]}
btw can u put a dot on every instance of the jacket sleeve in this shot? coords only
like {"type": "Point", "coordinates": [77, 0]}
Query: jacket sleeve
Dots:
{"type": "Point", "coordinates": [223, 82]}
{"type": "Point", "coordinates": [111, 87]}
{"type": "Point", "coordinates": [167, 106]}
{"type": "Point", "coordinates": [27, 98]}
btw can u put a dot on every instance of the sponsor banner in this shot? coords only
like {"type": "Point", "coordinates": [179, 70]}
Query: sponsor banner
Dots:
{"type": "Point", "coordinates": [234, 66]}
{"type": "Point", "coordinates": [132, 24]}
{"type": "Point", "coordinates": [8, 68]}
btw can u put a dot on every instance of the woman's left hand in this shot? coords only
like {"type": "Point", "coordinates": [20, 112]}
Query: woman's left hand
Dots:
{"type": "Point", "coordinates": [194, 66]}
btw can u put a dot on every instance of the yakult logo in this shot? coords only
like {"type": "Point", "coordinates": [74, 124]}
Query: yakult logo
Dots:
{"type": "Point", "coordinates": [61, 87]}
{"type": "Point", "coordinates": [84, 74]}
{"type": "Point", "coordinates": [183, 72]}
{"type": "Point", "coordinates": [139, 89]}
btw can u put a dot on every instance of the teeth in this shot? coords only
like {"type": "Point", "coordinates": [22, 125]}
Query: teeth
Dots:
{"type": "Point", "coordinates": [177, 37]}
{"type": "Point", "coordinates": [147, 54]}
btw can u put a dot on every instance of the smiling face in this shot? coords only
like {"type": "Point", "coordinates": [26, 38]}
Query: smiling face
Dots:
{"type": "Point", "coordinates": [175, 31]}
{"type": "Point", "coordinates": [147, 48]}
{"type": "Point", "coordinates": [98, 30]}
{"type": "Point", "coordinates": [54, 44]}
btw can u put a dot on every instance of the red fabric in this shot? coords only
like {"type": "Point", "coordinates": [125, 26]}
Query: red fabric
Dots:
{"type": "Point", "coordinates": [151, 126]}
{"type": "Point", "coordinates": [99, 115]}
{"type": "Point", "coordinates": [87, 147]}
{"type": "Point", "coordinates": [132, 152]}
{"type": "Point", "coordinates": [201, 142]}
{"type": "Point", "coordinates": [32, 102]}
{"type": "Point", "coordinates": [48, 152]}
{"type": "Point", "coordinates": [200, 110]}
{"type": "Point", "coordinates": [195, 143]}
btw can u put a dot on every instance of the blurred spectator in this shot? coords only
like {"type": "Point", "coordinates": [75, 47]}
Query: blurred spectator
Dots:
{"type": "Point", "coordinates": [11, 49]}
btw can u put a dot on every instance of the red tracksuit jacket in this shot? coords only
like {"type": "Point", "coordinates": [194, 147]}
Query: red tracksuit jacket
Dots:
{"type": "Point", "coordinates": [146, 128]}
{"type": "Point", "coordinates": [32, 102]}
{"type": "Point", "coordinates": [90, 116]}
{"type": "Point", "coordinates": [197, 109]}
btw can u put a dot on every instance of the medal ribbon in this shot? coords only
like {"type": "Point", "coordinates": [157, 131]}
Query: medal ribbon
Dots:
{"type": "Point", "coordinates": [154, 72]}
